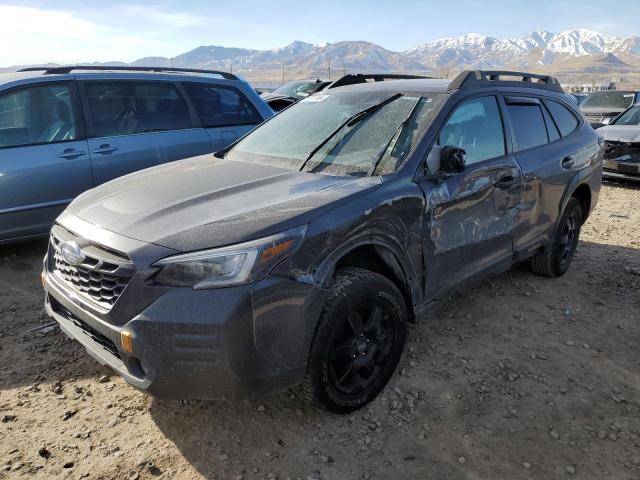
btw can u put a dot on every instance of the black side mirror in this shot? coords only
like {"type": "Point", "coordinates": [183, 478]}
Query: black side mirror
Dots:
{"type": "Point", "coordinates": [452, 159]}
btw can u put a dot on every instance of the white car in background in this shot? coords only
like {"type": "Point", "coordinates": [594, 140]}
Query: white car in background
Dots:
{"type": "Point", "coordinates": [622, 146]}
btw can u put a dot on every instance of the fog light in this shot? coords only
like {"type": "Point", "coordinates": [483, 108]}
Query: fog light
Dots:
{"type": "Point", "coordinates": [127, 341]}
{"type": "Point", "coordinates": [42, 278]}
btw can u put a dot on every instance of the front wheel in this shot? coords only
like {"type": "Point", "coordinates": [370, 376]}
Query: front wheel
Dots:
{"type": "Point", "coordinates": [358, 341]}
{"type": "Point", "coordinates": [554, 259]}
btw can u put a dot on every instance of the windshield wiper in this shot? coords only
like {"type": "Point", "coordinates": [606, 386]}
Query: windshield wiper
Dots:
{"type": "Point", "coordinates": [350, 122]}
{"type": "Point", "coordinates": [394, 137]}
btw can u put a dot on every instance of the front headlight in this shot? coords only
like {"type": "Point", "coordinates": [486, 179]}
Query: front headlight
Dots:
{"type": "Point", "coordinates": [234, 265]}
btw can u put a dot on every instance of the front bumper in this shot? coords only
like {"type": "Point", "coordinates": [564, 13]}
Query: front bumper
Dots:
{"type": "Point", "coordinates": [229, 342]}
{"type": "Point", "coordinates": [620, 169]}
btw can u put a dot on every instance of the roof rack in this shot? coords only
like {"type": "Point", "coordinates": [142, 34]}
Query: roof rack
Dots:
{"type": "Point", "coordinates": [69, 69]}
{"type": "Point", "coordinates": [355, 78]}
{"type": "Point", "coordinates": [488, 78]}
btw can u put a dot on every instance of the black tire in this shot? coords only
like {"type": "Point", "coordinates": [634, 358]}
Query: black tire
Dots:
{"type": "Point", "coordinates": [366, 316]}
{"type": "Point", "coordinates": [554, 259]}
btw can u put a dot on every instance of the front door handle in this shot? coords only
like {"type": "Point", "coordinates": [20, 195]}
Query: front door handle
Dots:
{"type": "Point", "coordinates": [567, 162]}
{"type": "Point", "coordinates": [71, 153]}
{"type": "Point", "coordinates": [106, 148]}
{"type": "Point", "coordinates": [506, 182]}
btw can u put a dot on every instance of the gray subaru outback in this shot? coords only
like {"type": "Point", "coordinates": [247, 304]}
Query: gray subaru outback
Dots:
{"type": "Point", "coordinates": [297, 255]}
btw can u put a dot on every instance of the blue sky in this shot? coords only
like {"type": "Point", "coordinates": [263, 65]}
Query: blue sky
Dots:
{"type": "Point", "coordinates": [34, 31]}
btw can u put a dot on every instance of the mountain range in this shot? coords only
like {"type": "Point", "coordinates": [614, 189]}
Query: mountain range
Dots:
{"type": "Point", "coordinates": [571, 52]}
{"type": "Point", "coordinates": [579, 49]}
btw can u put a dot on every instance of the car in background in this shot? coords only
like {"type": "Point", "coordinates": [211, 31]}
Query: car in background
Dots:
{"type": "Point", "coordinates": [578, 97]}
{"type": "Point", "coordinates": [65, 130]}
{"type": "Point", "coordinates": [292, 92]}
{"type": "Point", "coordinates": [622, 146]}
{"type": "Point", "coordinates": [297, 256]}
{"type": "Point", "coordinates": [602, 107]}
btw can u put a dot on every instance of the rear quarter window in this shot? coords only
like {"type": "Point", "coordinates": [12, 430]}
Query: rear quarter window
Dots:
{"type": "Point", "coordinates": [566, 121]}
{"type": "Point", "coordinates": [222, 106]}
{"type": "Point", "coordinates": [529, 128]}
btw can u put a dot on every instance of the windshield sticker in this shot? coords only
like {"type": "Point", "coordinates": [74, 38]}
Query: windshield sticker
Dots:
{"type": "Point", "coordinates": [316, 98]}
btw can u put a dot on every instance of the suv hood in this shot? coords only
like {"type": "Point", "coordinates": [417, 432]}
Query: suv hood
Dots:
{"type": "Point", "coordinates": [620, 133]}
{"type": "Point", "coordinates": [205, 202]}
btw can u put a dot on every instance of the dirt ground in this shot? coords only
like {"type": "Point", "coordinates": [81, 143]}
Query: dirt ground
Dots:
{"type": "Point", "coordinates": [520, 378]}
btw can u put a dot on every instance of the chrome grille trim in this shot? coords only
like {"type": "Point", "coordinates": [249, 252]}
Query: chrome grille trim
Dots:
{"type": "Point", "coordinates": [100, 278]}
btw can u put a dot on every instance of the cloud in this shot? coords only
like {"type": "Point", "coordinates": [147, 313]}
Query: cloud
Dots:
{"type": "Point", "coordinates": [38, 35]}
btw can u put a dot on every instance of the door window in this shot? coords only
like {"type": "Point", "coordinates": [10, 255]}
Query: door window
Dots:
{"type": "Point", "coordinates": [529, 128]}
{"type": "Point", "coordinates": [36, 115]}
{"type": "Point", "coordinates": [566, 121]}
{"type": "Point", "coordinates": [220, 106]}
{"type": "Point", "coordinates": [126, 108]}
{"type": "Point", "coordinates": [475, 126]}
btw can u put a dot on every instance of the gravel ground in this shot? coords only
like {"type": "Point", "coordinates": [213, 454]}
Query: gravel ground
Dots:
{"type": "Point", "coordinates": [521, 377]}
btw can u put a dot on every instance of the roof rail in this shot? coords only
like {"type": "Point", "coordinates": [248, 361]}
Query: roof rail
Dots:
{"type": "Point", "coordinates": [69, 69]}
{"type": "Point", "coordinates": [355, 78]}
{"type": "Point", "coordinates": [489, 78]}
{"type": "Point", "coordinates": [33, 69]}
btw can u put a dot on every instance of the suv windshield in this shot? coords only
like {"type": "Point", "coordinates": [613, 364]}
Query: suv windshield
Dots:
{"type": "Point", "coordinates": [630, 117]}
{"type": "Point", "coordinates": [297, 89]}
{"type": "Point", "coordinates": [611, 99]}
{"type": "Point", "coordinates": [315, 134]}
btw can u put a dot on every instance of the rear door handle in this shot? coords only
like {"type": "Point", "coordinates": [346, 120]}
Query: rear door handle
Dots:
{"type": "Point", "coordinates": [106, 148]}
{"type": "Point", "coordinates": [71, 153]}
{"type": "Point", "coordinates": [505, 182]}
{"type": "Point", "coordinates": [567, 162]}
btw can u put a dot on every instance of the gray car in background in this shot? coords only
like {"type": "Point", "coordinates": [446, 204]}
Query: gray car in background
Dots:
{"type": "Point", "coordinates": [65, 130]}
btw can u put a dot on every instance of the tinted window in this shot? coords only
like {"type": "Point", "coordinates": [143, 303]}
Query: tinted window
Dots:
{"type": "Point", "coordinates": [476, 126]}
{"type": "Point", "coordinates": [36, 115]}
{"type": "Point", "coordinates": [528, 126]}
{"type": "Point", "coordinates": [552, 129]}
{"type": "Point", "coordinates": [127, 108]}
{"type": "Point", "coordinates": [220, 106]}
{"type": "Point", "coordinates": [566, 121]}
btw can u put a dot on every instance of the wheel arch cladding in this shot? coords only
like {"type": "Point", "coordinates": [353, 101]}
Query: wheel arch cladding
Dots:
{"type": "Point", "coordinates": [379, 259]}
{"type": "Point", "coordinates": [583, 194]}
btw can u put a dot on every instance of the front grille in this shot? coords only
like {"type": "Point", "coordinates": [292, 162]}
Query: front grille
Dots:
{"type": "Point", "coordinates": [100, 277]}
{"type": "Point", "coordinates": [594, 117]}
{"type": "Point", "coordinates": [91, 332]}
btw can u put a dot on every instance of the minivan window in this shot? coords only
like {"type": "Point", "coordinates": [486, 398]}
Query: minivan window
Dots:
{"type": "Point", "coordinates": [36, 115]}
{"type": "Point", "coordinates": [566, 121]}
{"type": "Point", "coordinates": [528, 125]}
{"type": "Point", "coordinates": [475, 126]}
{"type": "Point", "coordinates": [220, 106]}
{"type": "Point", "coordinates": [314, 133]}
{"type": "Point", "coordinates": [125, 108]}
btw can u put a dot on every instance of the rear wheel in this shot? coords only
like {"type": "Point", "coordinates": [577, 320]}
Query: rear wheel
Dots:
{"type": "Point", "coordinates": [554, 259]}
{"type": "Point", "coordinates": [358, 341]}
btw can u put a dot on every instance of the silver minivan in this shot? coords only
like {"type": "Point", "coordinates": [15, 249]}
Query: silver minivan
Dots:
{"type": "Point", "coordinates": [65, 130]}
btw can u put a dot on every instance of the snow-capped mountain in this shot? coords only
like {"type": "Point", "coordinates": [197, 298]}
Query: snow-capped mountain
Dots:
{"type": "Point", "coordinates": [535, 49]}
{"type": "Point", "coordinates": [539, 50]}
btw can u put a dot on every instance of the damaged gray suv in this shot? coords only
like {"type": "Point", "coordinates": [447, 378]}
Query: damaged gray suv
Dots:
{"type": "Point", "coordinates": [297, 256]}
